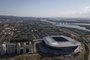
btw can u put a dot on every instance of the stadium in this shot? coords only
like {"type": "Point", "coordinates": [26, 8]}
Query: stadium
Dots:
{"type": "Point", "coordinates": [58, 46]}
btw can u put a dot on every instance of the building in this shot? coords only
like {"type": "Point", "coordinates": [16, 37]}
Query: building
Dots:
{"type": "Point", "coordinates": [3, 49]}
{"type": "Point", "coordinates": [58, 46]}
{"type": "Point", "coordinates": [24, 47]}
{"type": "Point", "coordinates": [18, 48]}
{"type": "Point", "coordinates": [10, 48]}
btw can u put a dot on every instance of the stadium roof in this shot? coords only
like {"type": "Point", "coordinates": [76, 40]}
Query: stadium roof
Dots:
{"type": "Point", "coordinates": [60, 41]}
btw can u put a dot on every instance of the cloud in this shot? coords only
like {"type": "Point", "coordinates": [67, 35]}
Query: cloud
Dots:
{"type": "Point", "coordinates": [87, 9]}
{"type": "Point", "coordinates": [82, 12]}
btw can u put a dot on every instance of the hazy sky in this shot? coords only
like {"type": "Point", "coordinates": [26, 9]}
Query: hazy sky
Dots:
{"type": "Point", "coordinates": [45, 8]}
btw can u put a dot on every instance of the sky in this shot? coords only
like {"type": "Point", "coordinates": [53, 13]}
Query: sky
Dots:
{"type": "Point", "coordinates": [45, 8]}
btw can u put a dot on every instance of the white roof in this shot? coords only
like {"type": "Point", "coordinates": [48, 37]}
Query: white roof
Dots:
{"type": "Point", "coordinates": [52, 42]}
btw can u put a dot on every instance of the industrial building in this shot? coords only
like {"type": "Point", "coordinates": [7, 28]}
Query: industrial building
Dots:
{"type": "Point", "coordinates": [58, 46]}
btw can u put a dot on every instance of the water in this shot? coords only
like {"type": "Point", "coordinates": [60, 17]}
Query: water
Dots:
{"type": "Point", "coordinates": [73, 26]}
{"type": "Point", "coordinates": [70, 25]}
